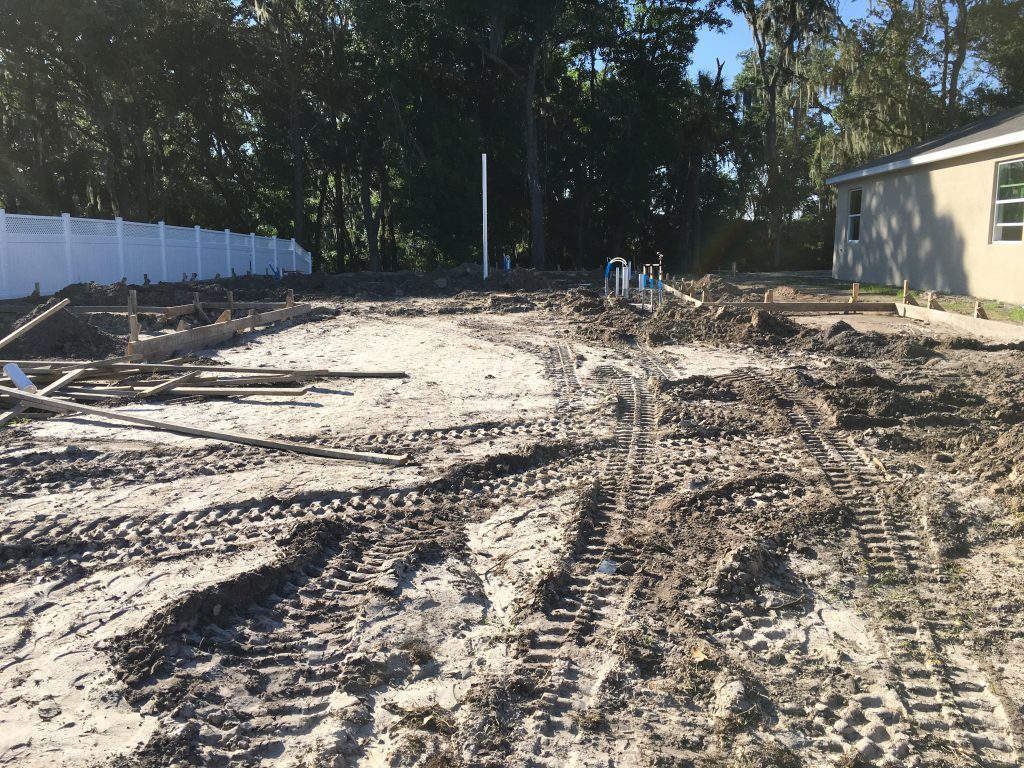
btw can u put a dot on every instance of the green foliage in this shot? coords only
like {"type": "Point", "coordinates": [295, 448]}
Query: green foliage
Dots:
{"type": "Point", "coordinates": [357, 125]}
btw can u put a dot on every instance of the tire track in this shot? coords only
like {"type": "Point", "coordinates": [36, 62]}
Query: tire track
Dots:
{"type": "Point", "coordinates": [951, 710]}
{"type": "Point", "coordinates": [590, 600]}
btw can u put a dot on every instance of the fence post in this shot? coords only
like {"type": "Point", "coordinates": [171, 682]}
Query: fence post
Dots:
{"type": "Point", "coordinates": [295, 263]}
{"type": "Point", "coordinates": [163, 249]}
{"type": "Point", "coordinates": [119, 229]}
{"type": "Point", "coordinates": [227, 251]}
{"type": "Point", "coordinates": [252, 253]}
{"type": "Point", "coordinates": [5, 289]}
{"type": "Point", "coordinates": [275, 253]}
{"type": "Point", "coordinates": [199, 254]}
{"type": "Point", "coordinates": [66, 219]}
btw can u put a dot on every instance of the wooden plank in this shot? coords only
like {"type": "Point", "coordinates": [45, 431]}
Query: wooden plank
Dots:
{"type": "Point", "coordinates": [170, 384]}
{"type": "Point", "coordinates": [14, 335]}
{"type": "Point", "coordinates": [183, 341]}
{"type": "Point", "coordinates": [245, 305]}
{"type": "Point", "coordinates": [207, 335]}
{"type": "Point", "coordinates": [991, 329]}
{"type": "Point", "coordinates": [122, 365]}
{"type": "Point", "coordinates": [49, 389]}
{"type": "Point", "coordinates": [49, 403]}
{"type": "Point", "coordinates": [811, 306]}
{"type": "Point", "coordinates": [224, 316]}
{"type": "Point", "coordinates": [211, 391]}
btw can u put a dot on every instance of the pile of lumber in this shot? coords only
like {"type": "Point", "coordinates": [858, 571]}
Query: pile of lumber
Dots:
{"type": "Point", "coordinates": [31, 389]}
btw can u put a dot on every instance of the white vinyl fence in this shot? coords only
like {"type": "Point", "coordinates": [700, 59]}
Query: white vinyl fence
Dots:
{"type": "Point", "coordinates": [56, 251]}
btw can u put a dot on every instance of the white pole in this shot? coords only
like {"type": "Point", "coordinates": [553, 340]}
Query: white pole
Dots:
{"type": "Point", "coordinates": [199, 254]}
{"type": "Point", "coordinates": [5, 289]}
{"type": "Point", "coordinates": [252, 253]}
{"type": "Point", "coordinates": [227, 250]}
{"type": "Point", "coordinates": [119, 228]}
{"type": "Point", "coordinates": [295, 262]}
{"type": "Point", "coordinates": [66, 218]}
{"type": "Point", "coordinates": [483, 159]}
{"type": "Point", "coordinates": [163, 249]}
{"type": "Point", "coordinates": [275, 252]}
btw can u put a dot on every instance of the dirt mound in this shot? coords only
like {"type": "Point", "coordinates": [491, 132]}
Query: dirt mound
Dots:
{"type": "Point", "coordinates": [843, 340]}
{"type": "Point", "coordinates": [716, 287]}
{"type": "Point", "coordinates": [682, 323]}
{"type": "Point", "coordinates": [597, 318]}
{"type": "Point", "coordinates": [62, 335]}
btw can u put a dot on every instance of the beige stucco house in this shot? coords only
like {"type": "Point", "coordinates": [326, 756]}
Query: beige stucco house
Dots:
{"type": "Point", "coordinates": [946, 215]}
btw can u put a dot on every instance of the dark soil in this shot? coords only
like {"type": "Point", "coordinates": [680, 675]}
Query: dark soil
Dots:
{"type": "Point", "coordinates": [63, 335]}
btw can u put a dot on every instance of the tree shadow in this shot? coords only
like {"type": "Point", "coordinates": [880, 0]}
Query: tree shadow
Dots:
{"type": "Point", "coordinates": [903, 236]}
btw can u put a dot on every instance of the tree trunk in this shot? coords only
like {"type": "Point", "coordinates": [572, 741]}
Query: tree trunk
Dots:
{"type": "Point", "coordinates": [318, 231]}
{"type": "Point", "coordinates": [771, 151]}
{"type": "Point", "coordinates": [345, 248]}
{"type": "Point", "coordinates": [372, 222]}
{"type": "Point", "coordinates": [298, 158]}
{"type": "Point", "coordinates": [960, 43]}
{"type": "Point", "coordinates": [533, 162]}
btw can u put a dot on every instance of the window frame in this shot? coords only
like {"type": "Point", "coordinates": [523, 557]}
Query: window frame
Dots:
{"type": "Point", "coordinates": [996, 202]}
{"type": "Point", "coordinates": [851, 216]}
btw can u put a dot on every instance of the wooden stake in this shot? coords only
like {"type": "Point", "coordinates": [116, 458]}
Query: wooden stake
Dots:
{"type": "Point", "coordinates": [33, 323]}
{"type": "Point", "coordinates": [906, 291]}
{"type": "Point", "coordinates": [252, 319]}
{"type": "Point", "coordinates": [224, 316]}
{"type": "Point", "coordinates": [231, 300]}
{"type": "Point", "coordinates": [290, 301]}
{"type": "Point", "coordinates": [133, 302]}
{"type": "Point", "coordinates": [855, 293]}
{"type": "Point", "coordinates": [979, 311]}
{"type": "Point", "coordinates": [59, 406]}
{"type": "Point", "coordinates": [769, 296]}
{"type": "Point", "coordinates": [198, 308]}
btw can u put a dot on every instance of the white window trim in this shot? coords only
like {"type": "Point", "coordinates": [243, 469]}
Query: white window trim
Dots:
{"type": "Point", "coordinates": [851, 216]}
{"type": "Point", "coordinates": [996, 202]}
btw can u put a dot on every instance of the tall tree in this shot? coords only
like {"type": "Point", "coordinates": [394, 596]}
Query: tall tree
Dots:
{"type": "Point", "coordinates": [783, 31]}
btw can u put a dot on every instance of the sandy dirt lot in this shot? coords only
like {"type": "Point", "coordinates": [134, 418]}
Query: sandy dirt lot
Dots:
{"type": "Point", "coordinates": [689, 539]}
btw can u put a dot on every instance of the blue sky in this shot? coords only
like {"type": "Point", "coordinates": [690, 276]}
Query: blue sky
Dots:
{"type": "Point", "coordinates": [727, 45]}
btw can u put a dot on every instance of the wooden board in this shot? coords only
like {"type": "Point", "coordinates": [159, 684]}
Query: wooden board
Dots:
{"type": "Point", "coordinates": [157, 389]}
{"type": "Point", "coordinates": [989, 329]}
{"type": "Point", "coordinates": [208, 335]}
{"type": "Point", "coordinates": [63, 381]}
{"type": "Point", "coordinates": [59, 406]}
{"type": "Point", "coordinates": [885, 307]}
{"type": "Point", "coordinates": [130, 389]}
{"type": "Point", "coordinates": [125, 368]}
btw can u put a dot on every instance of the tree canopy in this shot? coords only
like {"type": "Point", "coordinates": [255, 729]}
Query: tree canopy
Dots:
{"type": "Point", "coordinates": [356, 126]}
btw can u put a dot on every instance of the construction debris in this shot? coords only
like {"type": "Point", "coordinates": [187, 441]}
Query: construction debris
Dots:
{"type": "Point", "coordinates": [68, 383]}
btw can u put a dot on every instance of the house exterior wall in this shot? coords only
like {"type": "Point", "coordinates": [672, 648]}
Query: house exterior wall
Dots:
{"type": "Point", "coordinates": [932, 226]}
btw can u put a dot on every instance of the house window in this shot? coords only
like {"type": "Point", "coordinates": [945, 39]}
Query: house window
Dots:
{"type": "Point", "coordinates": [853, 219]}
{"type": "Point", "coordinates": [1009, 213]}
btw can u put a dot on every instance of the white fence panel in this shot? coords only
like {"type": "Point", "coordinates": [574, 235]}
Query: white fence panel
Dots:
{"type": "Point", "coordinates": [180, 247]}
{"type": "Point", "coordinates": [56, 251]}
{"type": "Point", "coordinates": [142, 254]}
